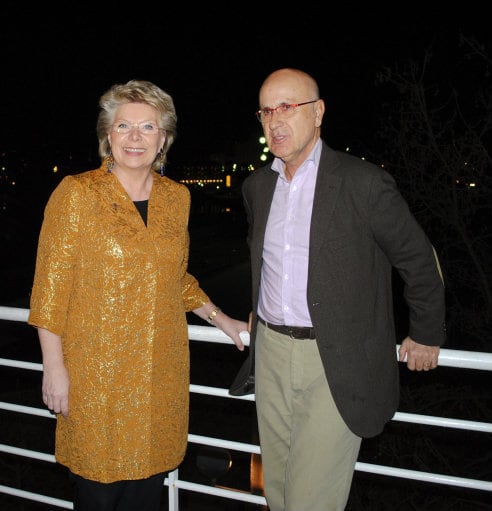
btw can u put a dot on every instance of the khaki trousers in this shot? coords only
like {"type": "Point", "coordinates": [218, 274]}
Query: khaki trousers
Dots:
{"type": "Point", "coordinates": [308, 453]}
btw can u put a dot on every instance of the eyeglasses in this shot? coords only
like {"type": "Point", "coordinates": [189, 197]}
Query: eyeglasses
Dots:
{"type": "Point", "coordinates": [284, 110]}
{"type": "Point", "coordinates": [145, 128]}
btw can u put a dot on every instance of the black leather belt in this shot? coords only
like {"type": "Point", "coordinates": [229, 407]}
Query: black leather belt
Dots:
{"type": "Point", "coordinates": [295, 332]}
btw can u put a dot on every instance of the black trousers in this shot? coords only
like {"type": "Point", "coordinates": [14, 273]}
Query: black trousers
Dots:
{"type": "Point", "coordinates": [141, 494]}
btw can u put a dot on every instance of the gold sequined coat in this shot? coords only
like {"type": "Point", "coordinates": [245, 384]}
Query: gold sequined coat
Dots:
{"type": "Point", "coordinates": [117, 291]}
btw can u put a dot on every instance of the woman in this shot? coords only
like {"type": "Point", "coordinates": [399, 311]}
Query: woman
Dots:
{"type": "Point", "coordinates": [109, 300]}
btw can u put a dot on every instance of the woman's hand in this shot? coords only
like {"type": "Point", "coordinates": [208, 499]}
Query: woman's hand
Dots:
{"type": "Point", "coordinates": [55, 390]}
{"type": "Point", "coordinates": [230, 326]}
{"type": "Point", "coordinates": [56, 381]}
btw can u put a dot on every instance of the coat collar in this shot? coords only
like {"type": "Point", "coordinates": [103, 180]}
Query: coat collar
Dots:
{"type": "Point", "coordinates": [328, 185]}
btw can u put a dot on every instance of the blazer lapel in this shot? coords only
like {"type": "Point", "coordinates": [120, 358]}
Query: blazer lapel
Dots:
{"type": "Point", "coordinates": [328, 185]}
{"type": "Point", "coordinates": [117, 202]}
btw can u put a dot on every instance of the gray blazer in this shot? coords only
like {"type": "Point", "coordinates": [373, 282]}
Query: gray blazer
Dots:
{"type": "Point", "coordinates": [361, 227]}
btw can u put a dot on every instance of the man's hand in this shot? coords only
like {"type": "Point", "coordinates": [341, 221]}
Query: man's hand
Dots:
{"type": "Point", "coordinates": [419, 357]}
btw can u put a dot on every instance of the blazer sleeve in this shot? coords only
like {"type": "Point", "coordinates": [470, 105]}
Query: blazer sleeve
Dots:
{"type": "Point", "coordinates": [411, 253]}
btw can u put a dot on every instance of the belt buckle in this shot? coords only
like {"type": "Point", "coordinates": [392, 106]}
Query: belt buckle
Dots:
{"type": "Point", "coordinates": [293, 331]}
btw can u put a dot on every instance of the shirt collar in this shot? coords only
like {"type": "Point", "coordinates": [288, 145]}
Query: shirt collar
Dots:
{"type": "Point", "coordinates": [314, 156]}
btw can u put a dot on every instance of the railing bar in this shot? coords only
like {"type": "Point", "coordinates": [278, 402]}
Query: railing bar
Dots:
{"type": "Point", "coordinates": [11, 407]}
{"type": "Point", "coordinates": [226, 444]}
{"type": "Point", "coordinates": [360, 466]}
{"type": "Point", "coordinates": [14, 313]}
{"type": "Point", "coordinates": [447, 357]}
{"type": "Point", "coordinates": [27, 453]}
{"type": "Point", "coordinates": [255, 499]}
{"type": "Point", "coordinates": [220, 492]}
{"type": "Point", "coordinates": [424, 476]}
{"type": "Point", "coordinates": [218, 392]}
{"type": "Point", "coordinates": [184, 485]}
{"type": "Point", "coordinates": [37, 497]}
{"type": "Point", "coordinates": [194, 439]}
{"type": "Point", "coordinates": [21, 364]}
{"type": "Point", "coordinates": [444, 422]}
{"type": "Point", "coordinates": [213, 334]}
{"type": "Point", "coordinates": [462, 359]}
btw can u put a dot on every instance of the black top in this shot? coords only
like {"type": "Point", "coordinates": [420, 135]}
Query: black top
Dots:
{"type": "Point", "coordinates": [142, 206]}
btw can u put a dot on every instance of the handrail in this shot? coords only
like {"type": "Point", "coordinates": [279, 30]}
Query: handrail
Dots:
{"type": "Point", "coordinates": [447, 357]}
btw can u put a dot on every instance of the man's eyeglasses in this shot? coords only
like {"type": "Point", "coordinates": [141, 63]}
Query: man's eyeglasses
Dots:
{"type": "Point", "coordinates": [283, 110]}
{"type": "Point", "coordinates": [145, 128]}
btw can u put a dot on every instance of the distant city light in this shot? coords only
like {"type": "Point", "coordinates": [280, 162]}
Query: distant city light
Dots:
{"type": "Point", "coordinates": [200, 182]}
{"type": "Point", "coordinates": [265, 150]}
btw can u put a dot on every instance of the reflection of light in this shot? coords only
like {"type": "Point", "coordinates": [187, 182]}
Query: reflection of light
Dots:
{"type": "Point", "coordinates": [256, 475]}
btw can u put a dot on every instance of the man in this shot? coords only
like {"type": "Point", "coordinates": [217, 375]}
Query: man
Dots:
{"type": "Point", "coordinates": [325, 230]}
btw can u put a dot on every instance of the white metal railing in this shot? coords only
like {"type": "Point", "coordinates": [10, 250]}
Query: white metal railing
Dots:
{"type": "Point", "coordinates": [450, 358]}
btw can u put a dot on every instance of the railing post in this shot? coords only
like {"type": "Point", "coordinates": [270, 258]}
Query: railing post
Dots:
{"type": "Point", "coordinates": [173, 492]}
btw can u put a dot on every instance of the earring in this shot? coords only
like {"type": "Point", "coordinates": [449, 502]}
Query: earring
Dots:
{"type": "Point", "coordinates": [109, 162]}
{"type": "Point", "coordinates": [162, 169]}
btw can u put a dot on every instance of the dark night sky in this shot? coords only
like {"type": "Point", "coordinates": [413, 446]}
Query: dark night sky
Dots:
{"type": "Point", "coordinates": [58, 60]}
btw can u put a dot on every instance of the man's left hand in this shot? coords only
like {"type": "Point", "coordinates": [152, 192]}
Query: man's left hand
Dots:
{"type": "Point", "coordinates": [419, 357]}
